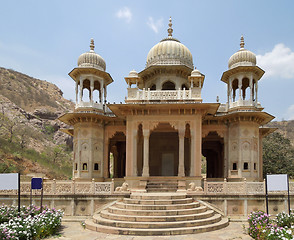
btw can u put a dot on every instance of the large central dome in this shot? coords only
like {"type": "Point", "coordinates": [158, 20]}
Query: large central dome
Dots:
{"type": "Point", "coordinates": [169, 51]}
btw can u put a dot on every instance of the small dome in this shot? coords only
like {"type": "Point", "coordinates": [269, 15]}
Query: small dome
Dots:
{"type": "Point", "coordinates": [243, 57]}
{"type": "Point", "coordinates": [195, 73]}
{"type": "Point", "coordinates": [133, 73]}
{"type": "Point", "coordinates": [169, 51]}
{"type": "Point", "coordinates": [91, 59]}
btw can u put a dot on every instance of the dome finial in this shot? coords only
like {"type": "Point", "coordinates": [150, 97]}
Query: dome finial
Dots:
{"type": "Point", "coordinates": [170, 30]}
{"type": "Point", "coordinates": [92, 46]}
{"type": "Point", "coordinates": [242, 44]}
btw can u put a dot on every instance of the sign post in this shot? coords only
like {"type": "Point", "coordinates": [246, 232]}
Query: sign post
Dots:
{"type": "Point", "coordinates": [11, 181]}
{"type": "Point", "coordinates": [275, 183]}
{"type": "Point", "coordinates": [37, 183]}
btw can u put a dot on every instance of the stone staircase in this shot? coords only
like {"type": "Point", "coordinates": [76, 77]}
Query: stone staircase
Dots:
{"type": "Point", "coordinates": [156, 214]}
{"type": "Point", "coordinates": [162, 186]}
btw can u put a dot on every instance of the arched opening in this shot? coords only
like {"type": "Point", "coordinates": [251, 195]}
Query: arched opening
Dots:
{"type": "Point", "coordinates": [153, 87]}
{"type": "Point", "coordinates": [86, 91]}
{"type": "Point", "coordinates": [96, 167]}
{"type": "Point", "coordinates": [96, 92]}
{"type": "Point", "coordinates": [96, 96]}
{"type": "Point", "coordinates": [117, 155]}
{"type": "Point", "coordinates": [245, 89]}
{"type": "Point", "coordinates": [85, 167]}
{"type": "Point", "coordinates": [213, 151]}
{"type": "Point", "coordinates": [164, 151]}
{"type": "Point", "coordinates": [234, 89]}
{"type": "Point", "coordinates": [168, 86]}
{"type": "Point", "coordinates": [184, 86]}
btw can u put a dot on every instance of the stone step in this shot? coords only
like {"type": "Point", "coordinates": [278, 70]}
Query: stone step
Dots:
{"type": "Point", "coordinates": [157, 207]}
{"type": "Point", "coordinates": [159, 190]}
{"type": "Point", "coordinates": [156, 232]}
{"type": "Point", "coordinates": [172, 218]}
{"type": "Point", "coordinates": [162, 184]}
{"type": "Point", "coordinates": [156, 196]}
{"type": "Point", "coordinates": [123, 211]}
{"type": "Point", "coordinates": [154, 225]}
{"type": "Point", "coordinates": [157, 202]}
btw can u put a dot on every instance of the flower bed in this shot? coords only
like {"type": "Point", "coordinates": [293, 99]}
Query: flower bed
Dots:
{"type": "Point", "coordinates": [261, 227]}
{"type": "Point", "coordinates": [30, 223]}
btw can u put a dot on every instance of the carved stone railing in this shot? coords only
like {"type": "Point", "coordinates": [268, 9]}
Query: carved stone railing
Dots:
{"type": "Point", "coordinates": [53, 187]}
{"type": "Point", "coordinates": [238, 188]}
{"type": "Point", "coordinates": [134, 94]}
{"type": "Point", "coordinates": [89, 105]}
{"type": "Point", "coordinates": [241, 103]}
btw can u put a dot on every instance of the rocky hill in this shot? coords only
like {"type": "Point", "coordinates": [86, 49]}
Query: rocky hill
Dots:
{"type": "Point", "coordinates": [286, 128]}
{"type": "Point", "coordinates": [29, 138]}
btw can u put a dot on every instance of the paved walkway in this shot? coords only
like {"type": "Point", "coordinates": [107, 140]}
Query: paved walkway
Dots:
{"type": "Point", "coordinates": [75, 231]}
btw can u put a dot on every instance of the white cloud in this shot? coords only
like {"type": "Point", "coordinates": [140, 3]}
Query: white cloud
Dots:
{"type": "Point", "coordinates": [155, 25]}
{"type": "Point", "coordinates": [125, 13]}
{"type": "Point", "coordinates": [290, 113]}
{"type": "Point", "coordinates": [278, 63]}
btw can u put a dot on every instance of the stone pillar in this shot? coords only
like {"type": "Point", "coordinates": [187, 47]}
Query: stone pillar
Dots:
{"type": "Point", "coordinates": [256, 88]}
{"type": "Point", "coordinates": [101, 91]}
{"type": "Point", "coordinates": [198, 144]}
{"type": "Point", "coordinates": [192, 158]}
{"type": "Point", "coordinates": [226, 151]}
{"type": "Point", "coordinates": [146, 134]}
{"type": "Point", "coordinates": [129, 154]}
{"type": "Point", "coordinates": [77, 91]}
{"type": "Point", "coordinates": [181, 169]}
{"type": "Point", "coordinates": [105, 162]}
{"type": "Point", "coordinates": [81, 89]}
{"type": "Point", "coordinates": [105, 94]}
{"type": "Point", "coordinates": [229, 92]}
{"type": "Point", "coordinates": [135, 142]}
{"type": "Point", "coordinates": [91, 90]}
{"type": "Point", "coordinates": [251, 88]}
{"type": "Point", "coordinates": [240, 87]}
{"type": "Point", "coordinates": [260, 162]}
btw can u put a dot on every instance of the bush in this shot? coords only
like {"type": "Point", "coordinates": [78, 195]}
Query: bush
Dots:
{"type": "Point", "coordinates": [285, 220]}
{"type": "Point", "coordinates": [262, 228]}
{"type": "Point", "coordinates": [30, 223]}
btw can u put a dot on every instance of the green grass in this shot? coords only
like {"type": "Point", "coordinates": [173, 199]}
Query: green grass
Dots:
{"type": "Point", "coordinates": [62, 168]}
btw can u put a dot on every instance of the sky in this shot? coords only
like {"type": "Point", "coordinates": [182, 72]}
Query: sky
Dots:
{"type": "Point", "coordinates": [44, 39]}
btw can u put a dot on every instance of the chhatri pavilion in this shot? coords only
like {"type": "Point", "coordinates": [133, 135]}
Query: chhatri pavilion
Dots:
{"type": "Point", "coordinates": [165, 131]}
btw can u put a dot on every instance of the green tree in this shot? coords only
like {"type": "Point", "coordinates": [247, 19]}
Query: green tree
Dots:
{"type": "Point", "coordinates": [278, 155]}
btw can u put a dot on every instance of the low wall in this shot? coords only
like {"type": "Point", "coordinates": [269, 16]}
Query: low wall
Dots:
{"type": "Point", "coordinates": [235, 199]}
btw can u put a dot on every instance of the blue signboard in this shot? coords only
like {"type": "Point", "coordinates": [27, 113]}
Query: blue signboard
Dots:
{"type": "Point", "coordinates": [37, 183]}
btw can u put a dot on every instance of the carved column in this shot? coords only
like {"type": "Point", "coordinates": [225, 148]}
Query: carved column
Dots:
{"type": "Point", "coordinates": [181, 132]}
{"type": "Point", "coordinates": [251, 89]}
{"type": "Point", "coordinates": [240, 87]}
{"type": "Point", "coordinates": [91, 90]}
{"type": "Point", "coordinates": [135, 137]}
{"type": "Point", "coordinates": [256, 88]}
{"type": "Point", "coordinates": [81, 89]}
{"type": "Point", "coordinates": [77, 91]}
{"type": "Point", "coordinates": [105, 94]}
{"type": "Point", "coordinates": [198, 144]}
{"type": "Point", "coordinates": [146, 134]}
{"type": "Point", "coordinates": [106, 156]}
{"type": "Point", "coordinates": [101, 91]}
{"type": "Point", "coordinates": [192, 158]}
{"type": "Point", "coordinates": [229, 92]}
{"type": "Point", "coordinates": [129, 154]}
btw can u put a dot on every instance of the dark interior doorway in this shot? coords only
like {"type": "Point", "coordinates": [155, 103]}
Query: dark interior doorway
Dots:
{"type": "Point", "coordinates": [213, 151]}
